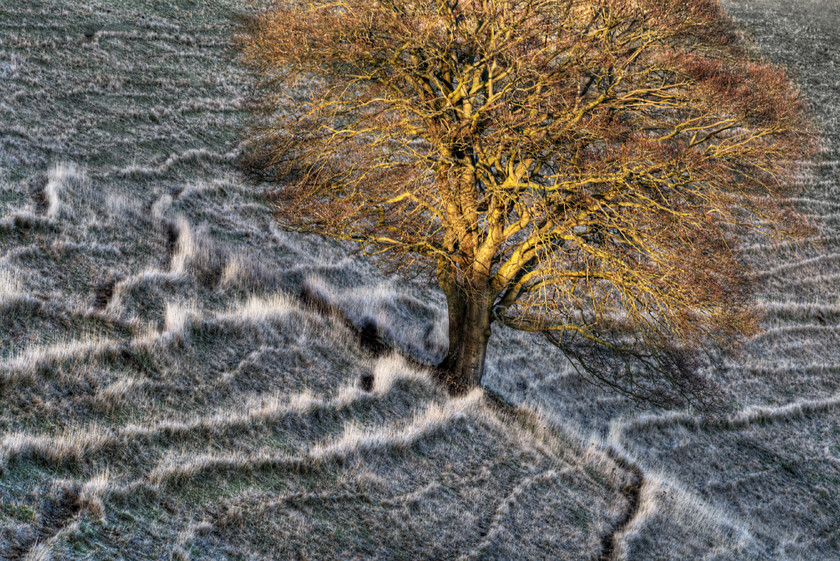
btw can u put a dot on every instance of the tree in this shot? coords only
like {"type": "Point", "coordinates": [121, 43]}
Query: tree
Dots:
{"type": "Point", "coordinates": [578, 168]}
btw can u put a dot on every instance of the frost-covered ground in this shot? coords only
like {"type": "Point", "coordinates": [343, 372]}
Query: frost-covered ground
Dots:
{"type": "Point", "coordinates": [165, 394]}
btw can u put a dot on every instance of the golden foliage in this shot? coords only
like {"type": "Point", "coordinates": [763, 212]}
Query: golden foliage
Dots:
{"type": "Point", "coordinates": [575, 167]}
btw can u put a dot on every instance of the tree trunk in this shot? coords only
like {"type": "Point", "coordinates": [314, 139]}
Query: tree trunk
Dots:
{"type": "Point", "coordinates": [469, 331]}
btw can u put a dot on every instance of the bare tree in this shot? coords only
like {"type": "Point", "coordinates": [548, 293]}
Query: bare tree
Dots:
{"type": "Point", "coordinates": [579, 168]}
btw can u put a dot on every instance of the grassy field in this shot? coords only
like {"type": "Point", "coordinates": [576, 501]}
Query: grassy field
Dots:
{"type": "Point", "coordinates": [165, 393]}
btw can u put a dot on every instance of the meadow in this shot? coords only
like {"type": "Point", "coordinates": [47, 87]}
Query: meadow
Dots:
{"type": "Point", "coordinates": [181, 379]}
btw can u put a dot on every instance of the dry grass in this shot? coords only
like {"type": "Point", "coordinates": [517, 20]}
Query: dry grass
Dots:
{"type": "Point", "coordinates": [197, 409]}
{"type": "Point", "coordinates": [10, 288]}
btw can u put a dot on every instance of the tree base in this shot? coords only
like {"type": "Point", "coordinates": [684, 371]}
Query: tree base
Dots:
{"type": "Point", "coordinates": [452, 383]}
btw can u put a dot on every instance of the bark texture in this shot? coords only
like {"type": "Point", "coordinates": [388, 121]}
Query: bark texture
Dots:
{"type": "Point", "coordinates": [470, 322]}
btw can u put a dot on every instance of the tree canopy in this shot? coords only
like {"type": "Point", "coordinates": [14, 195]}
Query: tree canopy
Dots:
{"type": "Point", "coordinates": [579, 168]}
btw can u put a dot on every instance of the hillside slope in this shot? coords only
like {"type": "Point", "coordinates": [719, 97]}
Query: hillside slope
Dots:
{"type": "Point", "coordinates": [166, 393]}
